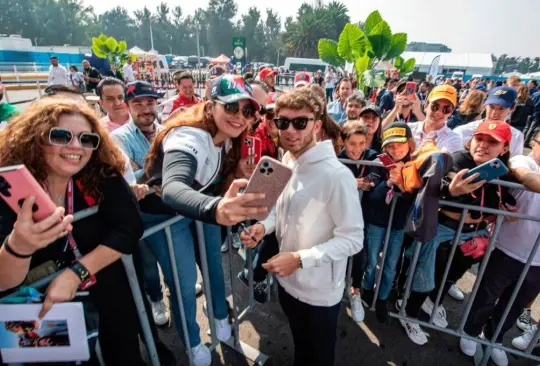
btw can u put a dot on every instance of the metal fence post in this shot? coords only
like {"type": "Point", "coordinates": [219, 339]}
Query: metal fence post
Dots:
{"type": "Point", "coordinates": [410, 277]}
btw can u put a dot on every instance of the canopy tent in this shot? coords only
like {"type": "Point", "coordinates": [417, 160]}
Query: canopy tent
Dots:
{"type": "Point", "coordinates": [512, 73]}
{"type": "Point", "coordinates": [222, 59]}
{"type": "Point", "coordinates": [472, 63]}
{"type": "Point", "coordinates": [140, 52]}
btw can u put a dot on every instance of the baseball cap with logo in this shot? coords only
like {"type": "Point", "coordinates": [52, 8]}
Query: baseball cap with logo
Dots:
{"type": "Point", "coordinates": [371, 108]}
{"type": "Point", "coordinates": [140, 88]}
{"type": "Point", "coordinates": [232, 88]}
{"type": "Point", "coordinates": [266, 72]}
{"type": "Point", "coordinates": [272, 98]}
{"type": "Point", "coordinates": [504, 96]}
{"type": "Point", "coordinates": [447, 92]}
{"type": "Point", "coordinates": [396, 132]}
{"type": "Point", "coordinates": [302, 79]}
{"type": "Point", "coordinates": [499, 130]}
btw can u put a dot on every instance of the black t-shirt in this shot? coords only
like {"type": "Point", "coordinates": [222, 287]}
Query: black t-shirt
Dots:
{"type": "Point", "coordinates": [116, 225]}
{"type": "Point", "coordinates": [318, 80]}
{"type": "Point", "coordinates": [92, 73]}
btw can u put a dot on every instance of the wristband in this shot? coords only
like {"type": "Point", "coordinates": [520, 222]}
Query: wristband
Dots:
{"type": "Point", "coordinates": [80, 270]}
{"type": "Point", "coordinates": [14, 253]}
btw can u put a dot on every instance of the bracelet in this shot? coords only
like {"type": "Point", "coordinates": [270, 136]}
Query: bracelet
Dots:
{"type": "Point", "coordinates": [81, 271]}
{"type": "Point", "coordinates": [14, 253]}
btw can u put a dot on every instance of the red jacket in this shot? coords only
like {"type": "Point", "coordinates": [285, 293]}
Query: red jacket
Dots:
{"type": "Point", "coordinates": [268, 146]}
{"type": "Point", "coordinates": [184, 102]}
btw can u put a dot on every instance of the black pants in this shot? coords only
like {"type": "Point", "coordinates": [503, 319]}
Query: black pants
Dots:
{"type": "Point", "coordinates": [268, 248]}
{"type": "Point", "coordinates": [532, 124]}
{"type": "Point", "coordinates": [359, 266]}
{"type": "Point", "coordinates": [460, 265]}
{"type": "Point", "coordinates": [313, 329]}
{"type": "Point", "coordinates": [498, 283]}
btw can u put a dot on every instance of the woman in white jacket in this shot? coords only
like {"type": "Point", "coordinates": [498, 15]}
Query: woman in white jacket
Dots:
{"type": "Point", "coordinates": [318, 224]}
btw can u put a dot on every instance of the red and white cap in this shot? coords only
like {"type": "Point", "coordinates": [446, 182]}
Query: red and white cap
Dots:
{"type": "Point", "coordinates": [302, 79]}
{"type": "Point", "coordinates": [272, 98]}
{"type": "Point", "coordinates": [499, 130]}
{"type": "Point", "coordinates": [266, 72]}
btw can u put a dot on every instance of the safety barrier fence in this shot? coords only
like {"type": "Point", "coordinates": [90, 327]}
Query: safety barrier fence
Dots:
{"type": "Point", "coordinates": [259, 358]}
{"type": "Point", "coordinates": [482, 356]}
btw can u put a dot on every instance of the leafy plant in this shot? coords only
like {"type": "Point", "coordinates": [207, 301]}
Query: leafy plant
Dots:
{"type": "Point", "coordinates": [110, 48]}
{"type": "Point", "coordinates": [364, 49]}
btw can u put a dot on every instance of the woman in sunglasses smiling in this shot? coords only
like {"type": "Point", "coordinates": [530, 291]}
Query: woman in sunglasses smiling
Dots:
{"type": "Point", "coordinates": [63, 145]}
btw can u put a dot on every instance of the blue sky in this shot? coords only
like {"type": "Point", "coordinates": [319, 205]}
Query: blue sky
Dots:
{"type": "Point", "coordinates": [494, 26]}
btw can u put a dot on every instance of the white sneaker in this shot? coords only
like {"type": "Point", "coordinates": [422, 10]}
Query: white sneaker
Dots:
{"type": "Point", "coordinates": [522, 342]}
{"type": "Point", "coordinates": [223, 329]}
{"type": "Point", "coordinates": [456, 293]}
{"type": "Point", "coordinates": [440, 314]}
{"type": "Point", "coordinates": [499, 357]}
{"type": "Point", "coordinates": [357, 309]}
{"type": "Point", "coordinates": [160, 314]}
{"type": "Point", "coordinates": [525, 321]}
{"type": "Point", "coordinates": [467, 346]}
{"type": "Point", "coordinates": [414, 332]}
{"type": "Point", "coordinates": [201, 355]}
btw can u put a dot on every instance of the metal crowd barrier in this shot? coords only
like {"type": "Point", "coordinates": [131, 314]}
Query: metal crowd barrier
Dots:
{"type": "Point", "coordinates": [481, 357]}
{"type": "Point", "coordinates": [127, 260]}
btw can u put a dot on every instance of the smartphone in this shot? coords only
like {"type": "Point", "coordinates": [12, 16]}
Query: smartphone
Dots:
{"type": "Point", "coordinates": [386, 160]}
{"type": "Point", "coordinates": [17, 184]}
{"type": "Point", "coordinates": [252, 146]}
{"type": "Point", "coordinates": [488, 171]}
{"type": "Point", "coordinates": [410, 90]}
{"type": "Point", "coordinates": [372, 177]}
{"type": "Point", "coordinates": [270, 177]}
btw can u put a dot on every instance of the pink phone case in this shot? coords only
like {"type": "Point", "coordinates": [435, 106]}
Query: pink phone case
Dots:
{"type": "Point", "coordinates": [386, 160]}
{"type": "Point", "coordinates": [270, 177]}
{"type": "Point", "coordinates": [17, 184]}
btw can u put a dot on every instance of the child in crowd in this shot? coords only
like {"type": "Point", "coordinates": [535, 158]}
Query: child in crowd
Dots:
{"type": "Point", "coordinates": [398, 143]}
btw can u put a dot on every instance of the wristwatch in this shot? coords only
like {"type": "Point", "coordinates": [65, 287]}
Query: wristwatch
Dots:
{"type": "Point", "coordinates": [80, 270]}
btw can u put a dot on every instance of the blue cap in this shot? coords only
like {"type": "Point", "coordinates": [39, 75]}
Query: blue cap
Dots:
{"type": "Point", "coordinates": [481, 86]}
{"type": "Point", "coordinates": [504, 96]}
{"type": "Point", "coordinates": [140, 88]}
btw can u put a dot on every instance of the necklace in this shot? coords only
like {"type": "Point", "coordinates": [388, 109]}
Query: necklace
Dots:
{"type": "Point", "coordinates": [61, 200]}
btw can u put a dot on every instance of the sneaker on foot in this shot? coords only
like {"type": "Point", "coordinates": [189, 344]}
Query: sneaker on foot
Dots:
{"type": "Point", "coordinates": [260, 289]}
{"type": "Point", "coordinates": [160, 314]}
{"type": "Point", "coordinates": [201, 355]}
{"type": "Point", "coordinates": [223, 329]}
{"type": "Point", "coordinates": [381, 311]}
{"type": "Point", "coordinates": [357, 309]}
{"type": "Point", "coordinates": [440, 313]}
{"type": "Point", "coordinates": [525, 321]}
{"type": "Point", "coordinates": [467, 346]}
{"type": "Point", "coordinates": [522, 342]}
{"type": "Point", "coordinates": [414, 332]}
{"type": "Point", "coordinates": [456, 293]}
{"type": "Point", "coordinates": [499, 357]}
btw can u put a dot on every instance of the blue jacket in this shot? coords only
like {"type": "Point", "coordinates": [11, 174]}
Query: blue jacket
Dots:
{"type": "Point", "coordinates": [536, 99]}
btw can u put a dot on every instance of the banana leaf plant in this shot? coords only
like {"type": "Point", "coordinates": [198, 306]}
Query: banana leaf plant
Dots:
{"type": "Point", "coordinates": [111, 49]}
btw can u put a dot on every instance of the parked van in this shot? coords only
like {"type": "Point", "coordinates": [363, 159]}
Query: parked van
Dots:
{"type": "Point", "coordinates": [310, 65]}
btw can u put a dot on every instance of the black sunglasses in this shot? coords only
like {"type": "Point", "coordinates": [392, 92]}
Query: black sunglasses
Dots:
{"type": "Point", "coordinates": [447, 109]}
{"type": "Point", "coordinates": [248, 111]}
{"type": "Point", "coordinates": [63, 137]}
{"type": "Point", "coordinates": [299, 123]}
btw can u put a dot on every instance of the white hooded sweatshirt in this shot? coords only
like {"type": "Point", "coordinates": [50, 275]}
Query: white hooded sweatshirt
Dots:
{"type": "Point", "coordinates": [319, 216]}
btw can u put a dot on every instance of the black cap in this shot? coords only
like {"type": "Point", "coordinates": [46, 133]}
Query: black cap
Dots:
{"type": "Point", "coordinates": [396, 132]}
{"type": "Point", "coordinates": [140, 89]}
{"type": "Point", "coordinates": [371, 108]}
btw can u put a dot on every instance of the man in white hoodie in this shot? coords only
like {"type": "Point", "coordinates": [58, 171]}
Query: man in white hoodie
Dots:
{"type": "Point", "coordinates": [318, 223]}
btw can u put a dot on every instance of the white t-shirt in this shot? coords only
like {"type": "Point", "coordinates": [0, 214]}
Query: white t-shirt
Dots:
{"type": "Point", "coordinates": [58, 76]}
{"type": "Point", "coordinates": [446, 139]}
{"type": "Point", "coordinates": [198, 143]}
{"type": "Point", "coordinates": [329, 80]}
{"type": "Point", "coordinates": [517, 238]}
{"type": "Point", "coordinates": [128, 73]}
{"type": "Point", "coordinates": [516, 145]}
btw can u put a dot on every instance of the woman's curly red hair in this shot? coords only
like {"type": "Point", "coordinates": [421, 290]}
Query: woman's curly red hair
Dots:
{"type": "Point", "coordinates": [24, 139]}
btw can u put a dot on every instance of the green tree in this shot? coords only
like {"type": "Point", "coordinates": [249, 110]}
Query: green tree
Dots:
{"type": "Point", "coordinates": [251, 26]}
{"type": "Point", "coordinates": [219, 16]}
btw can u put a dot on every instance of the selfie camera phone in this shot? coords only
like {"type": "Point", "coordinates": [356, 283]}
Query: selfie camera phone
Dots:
{"type": "Point", "coordinates": [488, 171]}
{"type": "Point", "coordinates": [372, 177]}
{"type": "Point", "coordinates": [410, 90]}
{"type": "Point", "coordinates": [252, 146]}
{"type": "Point", "coordinates": [386, 160]}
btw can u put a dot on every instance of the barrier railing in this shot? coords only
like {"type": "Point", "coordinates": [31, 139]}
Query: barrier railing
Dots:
{"type": "Point", "coordinates": [481, 358]}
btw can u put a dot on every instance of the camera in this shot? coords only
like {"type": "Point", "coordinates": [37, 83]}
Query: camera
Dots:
{"type": "Point", "coordinates": [495, 164]}
{"type": "Point", "coordinates": [266, 168]}
{"type": "Point", "coordinates": [247, 142]}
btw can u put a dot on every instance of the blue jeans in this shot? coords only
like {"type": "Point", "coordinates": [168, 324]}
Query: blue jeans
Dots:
{"type": "Point", "coordinates": [184, 241]}
{"type": "Point", "coordinates": [375, 242]}
{"type": "Point", "coordinates": [424, 275]}
{"type": "Point", "coordinates": [152, 282]}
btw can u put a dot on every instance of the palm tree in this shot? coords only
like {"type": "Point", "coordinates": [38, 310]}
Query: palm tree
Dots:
{"type": "Point", "coordinates": [337, 16]}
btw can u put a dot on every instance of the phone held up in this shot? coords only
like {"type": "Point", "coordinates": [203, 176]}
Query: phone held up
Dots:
{"type": "Point", "coordinates": [17, 184]}
{"type": "Point", "coordinates": [386, 160]}
{"type": "Point", "coordinates": [488, 171]}
{"type": "Point", "coordinates": [252, 146]}
{"type": "Point", "coordinates": [270, 177]}
{"type": "Point", "coordinates": [410, 90]}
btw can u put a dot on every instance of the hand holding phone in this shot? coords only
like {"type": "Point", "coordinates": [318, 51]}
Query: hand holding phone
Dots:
{"type": "Point", "coordinates": [386, 160]}
{"type": "Point", "coordinates": [410, 90]}
{"type": "Point", "coordinates": [488, 171]}
{"type": "Point", "coordinates": [233, 209]}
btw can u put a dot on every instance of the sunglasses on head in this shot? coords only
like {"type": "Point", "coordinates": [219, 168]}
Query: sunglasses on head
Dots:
{"type": "Point", "coordinates": [299, 123]}
{"type": "Point", "coordinates": [63, 137]}
{"type": "Point", "coordinates": [248, 111]}
{"type": "Point", "coordinates": [447, 109]}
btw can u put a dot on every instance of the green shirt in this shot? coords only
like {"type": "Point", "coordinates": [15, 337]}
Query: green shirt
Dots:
{"type": "Point", "coordinates": [7, 111]}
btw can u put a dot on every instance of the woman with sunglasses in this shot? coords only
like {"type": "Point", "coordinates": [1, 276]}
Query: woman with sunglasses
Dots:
{"type": "Point", "coordinates": [491, 140]}
{"type": "Point", "coordinates": [193, 154]}
{"type": "Point", "coordinates": [64, 146]}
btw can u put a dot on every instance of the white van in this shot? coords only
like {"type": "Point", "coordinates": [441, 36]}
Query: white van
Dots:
{"type": "Point", "coordinates": [310, 65]}
{"type": "Point", "coordinates": [458, 75]}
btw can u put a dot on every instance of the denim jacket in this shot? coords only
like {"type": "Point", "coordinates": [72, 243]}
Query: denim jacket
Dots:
{"type": "Point", "coordinates": [133, 142]}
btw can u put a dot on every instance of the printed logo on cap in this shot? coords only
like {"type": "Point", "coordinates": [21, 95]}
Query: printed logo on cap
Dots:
{"type": "Point", "coordinates": [131, 89]}
{"type": "Point", "coordinates": [492, 126]}
{"type": "Point", "coordinates": [396, 131]}
{"type": "Point", "coordinates": [500, 92]}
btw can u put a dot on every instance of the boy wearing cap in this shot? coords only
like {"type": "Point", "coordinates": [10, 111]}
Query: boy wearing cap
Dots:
{"type": "Point", "coordinates": [268, 76]}
{"type": "Point", "coordinates": [499, 104]}
{"type": "Point", "coordinates": [440, 104]}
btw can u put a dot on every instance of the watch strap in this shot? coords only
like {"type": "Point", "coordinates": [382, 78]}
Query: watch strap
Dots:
{"type": "Point", "coordinates": [81, 271]}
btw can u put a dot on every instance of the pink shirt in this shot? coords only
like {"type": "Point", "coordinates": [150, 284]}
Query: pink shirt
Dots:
{"type": "Point", "coordinates": [110, 125]}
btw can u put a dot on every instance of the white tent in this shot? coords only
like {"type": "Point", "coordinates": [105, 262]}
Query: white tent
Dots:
{"type": "Point", "coordinates": [140, 52]}
{"type": "Point", "coordinates": [512, 73]}
{"type": "Point", "coordinates": [472, 63]}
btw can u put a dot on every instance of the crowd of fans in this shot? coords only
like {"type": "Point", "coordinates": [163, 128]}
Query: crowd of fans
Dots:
{"type": "Point", "coordinates": [144, 163]}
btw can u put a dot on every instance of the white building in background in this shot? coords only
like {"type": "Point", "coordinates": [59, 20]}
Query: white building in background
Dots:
{"type": "Point", "coordinates": [469, 63]}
